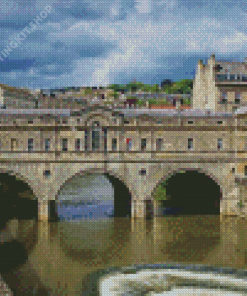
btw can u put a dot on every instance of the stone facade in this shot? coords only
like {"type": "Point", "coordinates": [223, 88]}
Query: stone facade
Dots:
{"type": "Point", "coordinates": [47, 147]}
{"type": "Point", "coordinates": [220, 86]}
{"type": "Point", "coordinates": [29, 162]}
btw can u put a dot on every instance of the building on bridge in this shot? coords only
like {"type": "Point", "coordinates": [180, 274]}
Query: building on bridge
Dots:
{"type": "Point", "coordinates": [136, 148]}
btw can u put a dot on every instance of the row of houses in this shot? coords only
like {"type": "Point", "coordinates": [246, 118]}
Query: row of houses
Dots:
{"type": "Point", "coordinates": [218, 86]}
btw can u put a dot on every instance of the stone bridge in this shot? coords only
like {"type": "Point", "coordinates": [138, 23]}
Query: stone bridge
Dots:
{"type": "Point", "coordinates": [139, 166]}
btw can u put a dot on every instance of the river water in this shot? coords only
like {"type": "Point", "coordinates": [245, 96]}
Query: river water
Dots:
{"type": "Point", "coordinates": [57, 258]}
{"type": "Point", "coordinates": [61, 255]}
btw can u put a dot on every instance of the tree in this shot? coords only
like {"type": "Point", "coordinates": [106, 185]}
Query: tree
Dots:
{"type": "Point", "coordinates": [160, 192]}
{"type": "Point", "coordinates": [184, 86]}
{"type": "Point", "coordinates": [134, 86]}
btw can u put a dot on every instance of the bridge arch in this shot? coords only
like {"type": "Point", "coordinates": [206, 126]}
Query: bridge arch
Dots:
{"type": "Point", "coordinates": [18, 198]}
{"type": "Point", "coordinates": [19, 177]}
{"type": "Point", "coordinates": [173, 173]}
{"type": "Point", "coordinates": [122, 192]}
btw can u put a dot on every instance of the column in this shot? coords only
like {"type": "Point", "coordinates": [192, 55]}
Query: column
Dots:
{"type": "Point", "coordinates": [243, 199]}
{"type": "Point", "coordinates": [157, 208]}
{"type": "Point", "coordinates": [133, 208]}
{"type": "Point", "coordinates": [230, 201]}
{"type": "Point", "coordinates": [43, 210]}
{"type": "Point", "coordinates": [82, 148]}
{"type": "Point", "coordinates": [140, 210]}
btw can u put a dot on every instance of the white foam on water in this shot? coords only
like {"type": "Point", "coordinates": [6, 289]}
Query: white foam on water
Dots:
{"type": "Point", "coordinates": [115, 285]}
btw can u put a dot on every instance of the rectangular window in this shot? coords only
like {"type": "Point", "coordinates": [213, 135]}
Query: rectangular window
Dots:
{"type": "Point", "coordinates": [128, 144]}
{"type": "Point", "coordinates": [143, 144]}
{"type": "Point", "coordinates": [77, 144]}
{"type": "Point", "coordinates": [245, 170]}
{"type": "Point", "coordinates": [219, 122]}
{"type": "Point", "coordinates": [114, 144]}
{"type": "Point", "coordinates": [65, 144]}
{"type": "Point", "coordinates": [159, 144]}
{"type": "Point", "coordinates": [224, 97]}
{"type": "Point", "coordinates": [237, 98]}
{"type": "Point", "coordinates": [30, 145]}
{"type": "Point", "coordinates": [190, 143]}
{"type": "Point", "coordinates": [47, 173]}
{"type": "Point", "coordinates": [220, 143]}
{"type": "Point", "coordinates": [190, 122]}
{"type": "Point", "coordinates": [95, 140]}
{"type": "Point", "coordinates": [47, 145]}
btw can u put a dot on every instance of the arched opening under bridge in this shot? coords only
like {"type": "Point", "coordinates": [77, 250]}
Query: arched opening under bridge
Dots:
{"type": "Point", "coordinates": [191, 192]}
{"type": "Point", "coordinates": [17, 200]}
{"type": "Point", "coordinates": [92, 196]}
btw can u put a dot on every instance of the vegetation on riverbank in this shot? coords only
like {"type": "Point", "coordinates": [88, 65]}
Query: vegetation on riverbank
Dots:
{"type": "Point", "coordinates": [160, 192]}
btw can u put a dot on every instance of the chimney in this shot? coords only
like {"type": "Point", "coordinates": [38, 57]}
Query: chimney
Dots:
{"type": "Point", "coordinates": [212, 59]}
{"type": "Point", "coordinates": [200, 64]}
{"type": "Point", "coordinates": [245, 59]}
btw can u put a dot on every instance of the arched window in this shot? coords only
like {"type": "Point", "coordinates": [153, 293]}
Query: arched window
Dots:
{"type": "Point", "coordinates": [95, 135]}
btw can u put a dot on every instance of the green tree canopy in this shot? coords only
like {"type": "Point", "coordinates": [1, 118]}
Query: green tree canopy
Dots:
{"type": "Point", "coordinates": [184, 86]}
{"type": "Point", "coordinates": [160, 192]}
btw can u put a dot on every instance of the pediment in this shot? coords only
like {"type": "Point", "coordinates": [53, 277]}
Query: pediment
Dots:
{"type": "Point", "coordinates": [103, 115]}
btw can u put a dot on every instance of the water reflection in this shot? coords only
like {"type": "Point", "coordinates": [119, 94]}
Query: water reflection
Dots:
{"type": "Point", "coordinates": [61, 255]}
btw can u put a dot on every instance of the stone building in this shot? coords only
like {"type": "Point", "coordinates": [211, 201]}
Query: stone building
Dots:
{"type": "Point", "coordinates": [220, 85]}
{"type": "Point", "coordinates": [46, 147]}
{"type": "Point", "coordinates": [16, 98]}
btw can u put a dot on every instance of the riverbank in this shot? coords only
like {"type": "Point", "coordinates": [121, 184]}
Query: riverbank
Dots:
{"type": "Point", "coordinates": [4, 289]}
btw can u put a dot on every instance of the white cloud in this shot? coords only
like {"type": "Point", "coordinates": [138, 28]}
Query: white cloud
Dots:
{"type": "Point", "coordinates": [144, 6]}
{"type": "Point", "coordinates": [142, 39]}
{"type": "Point", "coordinates": [234, 43]}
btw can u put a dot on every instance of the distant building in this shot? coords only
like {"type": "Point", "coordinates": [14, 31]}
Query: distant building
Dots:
{"type": "Point", "coordinates": [220, 86]}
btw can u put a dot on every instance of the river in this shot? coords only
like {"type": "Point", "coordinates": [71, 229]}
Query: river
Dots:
{"type": "Point", "coordinates": [57, 258]}
{"type": "Point", "coordinates": [61, 255]}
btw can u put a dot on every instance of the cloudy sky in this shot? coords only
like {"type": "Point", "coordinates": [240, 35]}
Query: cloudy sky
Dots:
{"type": "Point", "coordinates": [99, 42]}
